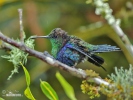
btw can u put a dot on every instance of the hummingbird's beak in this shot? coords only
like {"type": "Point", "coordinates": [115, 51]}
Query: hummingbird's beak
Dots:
{"type": "Point", "coordinates": [34, 37]}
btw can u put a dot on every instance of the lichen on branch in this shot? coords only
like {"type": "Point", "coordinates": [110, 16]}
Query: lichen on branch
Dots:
{"type": "Point", "coordinates": [17, 55]}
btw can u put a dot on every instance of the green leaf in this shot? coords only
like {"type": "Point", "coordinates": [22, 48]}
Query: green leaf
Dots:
{"type": "Point", "coordinates": [28, 94]}
{"type": "Point", "coordinates": [26, 75]}
{"type": "Point", "coordinates": [66, 86]}
{"type": "Point", "coordinates": [1, 98]}
{"type": "Point", "coordinates": [48, 90]}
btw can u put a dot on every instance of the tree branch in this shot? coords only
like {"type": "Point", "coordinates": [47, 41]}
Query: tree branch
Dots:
{"type": "Point", "coordinates": [79, 73]}
{"type": "Point", "coordinates": [5, 46]}
{"type": "Point", "coordinates": [123, 37]}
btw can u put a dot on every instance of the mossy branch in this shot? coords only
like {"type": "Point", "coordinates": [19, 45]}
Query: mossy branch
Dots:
{"type": "Point", "coordinates": [79, 73]}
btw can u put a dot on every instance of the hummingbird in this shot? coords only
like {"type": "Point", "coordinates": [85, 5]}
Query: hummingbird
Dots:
{"type": "Point", "coordinates": [72, 50]}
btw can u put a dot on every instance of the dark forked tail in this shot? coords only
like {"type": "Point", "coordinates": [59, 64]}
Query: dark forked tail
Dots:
{"type": "Point", "coordinates": [100, 49]}
{"type": "Point", "coordinates": [96, 60]}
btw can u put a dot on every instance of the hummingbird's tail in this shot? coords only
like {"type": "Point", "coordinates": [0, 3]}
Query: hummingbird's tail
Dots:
{"type": "Point", "coordinates": [105, 48]}
{"type": "Point", "coordinates": [96, 60]}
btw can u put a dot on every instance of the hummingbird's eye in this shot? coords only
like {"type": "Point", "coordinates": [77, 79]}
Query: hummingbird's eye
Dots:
{"type": "Point", "coordinates": [55, 36]}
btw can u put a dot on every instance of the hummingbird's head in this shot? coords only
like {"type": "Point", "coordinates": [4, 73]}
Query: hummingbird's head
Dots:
{"type": "Point", "coordinates": [57, 33]}
{"type": "Point", "coordinates": [57, 37]}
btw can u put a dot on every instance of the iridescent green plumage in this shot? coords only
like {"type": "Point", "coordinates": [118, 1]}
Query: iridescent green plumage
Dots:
{"type": "Point", "coordinates": [72, 50]}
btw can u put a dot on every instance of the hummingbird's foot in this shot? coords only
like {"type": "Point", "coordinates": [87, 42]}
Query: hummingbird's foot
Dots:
{"type": "Point", "coordinates": [47, 54]}
{"type": "Point", "coordinates": [74, 65]}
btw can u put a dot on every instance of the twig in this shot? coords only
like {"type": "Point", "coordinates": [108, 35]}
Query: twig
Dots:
{"type": "Point", "coordinates": [53, 62]}
{"type": "Point", "coordinates": [123, 37]}
{"type": "Point", "coordinates": [22, 35]}
{"type": "Point", "coordinates": [5, 46]}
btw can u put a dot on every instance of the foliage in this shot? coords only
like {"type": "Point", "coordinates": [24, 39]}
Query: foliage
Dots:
{"type": "Point", "coordinates": [27, 92]}
{"type": "Point", "coordinates": [121, 86]}
{"type": "Point", "coordinates": [48, 90]}
{"type": "Point", "coordinates": [1, 98]}
{"type": "Point", "coordinates": [91, 89]}
{"type": "Point", "coordinates": [16, 56]}
{"type": "Point", "coordinates": [66, 86]}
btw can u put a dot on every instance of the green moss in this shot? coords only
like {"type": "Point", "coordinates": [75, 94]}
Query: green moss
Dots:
{"type": "Point", "coordinates": [16, 56]}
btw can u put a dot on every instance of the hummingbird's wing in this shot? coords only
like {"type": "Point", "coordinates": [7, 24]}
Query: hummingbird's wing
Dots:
{"type": "Point", "coordinates": [97, 48]}
{"type": "Point", "coordinates": [91, 57]}
{"type": "Point", "coordinates": [89, 48]}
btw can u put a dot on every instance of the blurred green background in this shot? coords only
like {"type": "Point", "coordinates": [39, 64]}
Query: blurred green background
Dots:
{"type": "Point", "coordinates": [75, 17]}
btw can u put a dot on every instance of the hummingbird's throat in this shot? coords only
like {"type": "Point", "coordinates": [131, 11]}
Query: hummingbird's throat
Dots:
{"type": "Point", "coordinates": [56, 46]}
